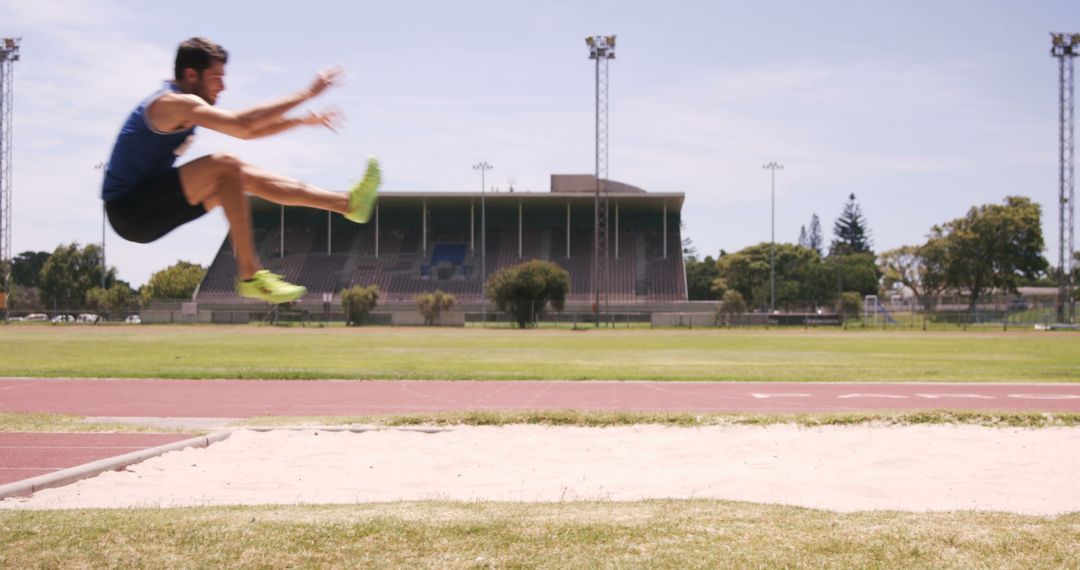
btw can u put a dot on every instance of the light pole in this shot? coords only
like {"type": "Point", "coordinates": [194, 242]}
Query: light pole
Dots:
{"type": "Point", "coordinates": [102, 166]}
{"type": "Point", "coordinates": [601, 50]}
{"type": "Point", "coordinates": [483, 167]}
{"type": "Point", "coordinates": [1066, 47]}
{"type": "Point", "coordinates": [773, 167]}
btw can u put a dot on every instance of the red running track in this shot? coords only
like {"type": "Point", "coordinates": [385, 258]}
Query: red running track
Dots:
{"type": "Point", "coordinates": [250, 398]}
{"type": "Point", "coordinates": [26, 455]}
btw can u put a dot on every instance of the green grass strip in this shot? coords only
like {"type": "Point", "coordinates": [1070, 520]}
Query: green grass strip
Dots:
{"type": "Point", "coordinates": [419, 353]}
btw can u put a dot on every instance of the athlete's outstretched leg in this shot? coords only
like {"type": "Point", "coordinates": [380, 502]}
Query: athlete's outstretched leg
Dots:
{"type": "Point", "coordinates": [222, 180]}
{"type": "Point", "coordinates": [217, 180]}
{"type": "Point", "coordinates": [357, 204]}
{"type": "Point", "coordinates": [291, 192]}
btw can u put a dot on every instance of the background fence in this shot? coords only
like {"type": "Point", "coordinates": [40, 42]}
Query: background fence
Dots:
{"type": "Point", "coordinates": [1001, 312]}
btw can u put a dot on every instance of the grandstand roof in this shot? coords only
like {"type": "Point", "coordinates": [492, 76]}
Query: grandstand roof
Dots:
{"type": "Point", "coordinates": [651, 201]}
{"type": "Point", "coordinates": [674, 199]}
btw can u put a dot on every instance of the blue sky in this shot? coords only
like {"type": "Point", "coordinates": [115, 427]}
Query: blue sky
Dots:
{"type": "Point", "coordinates": [922, 109]}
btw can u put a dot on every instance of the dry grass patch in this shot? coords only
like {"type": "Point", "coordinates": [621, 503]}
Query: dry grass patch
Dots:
{"type": "Point", "coordinates": [663, 534]}
{"type": "Point", "coordinates": [577, 418]}
{"type": "Point", "coordinates": [45, 423]}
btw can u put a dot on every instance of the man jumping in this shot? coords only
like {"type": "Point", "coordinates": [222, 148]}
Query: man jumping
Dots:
{"type": "Point", "coordinates": [147, 197]}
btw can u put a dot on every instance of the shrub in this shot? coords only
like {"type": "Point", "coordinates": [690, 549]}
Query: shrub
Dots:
{"type": "Point", "coordinates": [524, 291]}
{"type": "Point", "coordinates": [358, 302]}
{"type": "Point", "coordinates": [732, 304]}
{"type": "Point", "coordinates": [431, 305]}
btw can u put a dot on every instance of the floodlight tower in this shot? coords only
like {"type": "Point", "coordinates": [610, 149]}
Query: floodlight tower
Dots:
{"type": "Point", "coordinates": [1065, 47]}
{"type": "Point", "coordinates": [9, 54]}
{"type": "Point", "coordinates": [601, 49]}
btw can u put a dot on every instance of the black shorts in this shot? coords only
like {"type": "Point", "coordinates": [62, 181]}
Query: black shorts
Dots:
{"type": "Point", "coordinates": [152, 209]}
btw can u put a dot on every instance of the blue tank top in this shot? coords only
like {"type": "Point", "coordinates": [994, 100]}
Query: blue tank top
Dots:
{"type": "Point", "coordinates": [142, 153]}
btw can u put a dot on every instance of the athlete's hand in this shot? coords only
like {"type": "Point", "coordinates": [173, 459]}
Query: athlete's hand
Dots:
{"type": "Point", "coordinates": [325, 79]}
{"type": "Point", "coordinates": [331, 118]}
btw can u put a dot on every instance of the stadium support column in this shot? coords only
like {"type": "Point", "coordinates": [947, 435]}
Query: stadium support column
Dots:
{"type": "Point", "coordinates": [519, 228]}
{"type": "Point", "coordinates": [423, 224]}
{"type": "Point", "coordinates": [472, 227]}
{"type": "Point", "coordinates": [1065, 48]}
{"type": "Point", "coordinates": [376, 230]}
{"type": "Point", "coordinates": [281, 234]}
{"type": "Point", "coordinates": [483, 167]}
{"type": "Point", "coordinates": [568, 229]}
{"type": "Point", "coordinates": [665, 229]}
{"type": "Point", "coordinates": [602, 50]}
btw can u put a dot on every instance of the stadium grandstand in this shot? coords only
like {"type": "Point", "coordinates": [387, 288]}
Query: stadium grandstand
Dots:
{"type": "Point", "coordinates": [418, 242]}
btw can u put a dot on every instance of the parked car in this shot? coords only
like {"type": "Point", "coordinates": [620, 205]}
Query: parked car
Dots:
{"type": "Point", "coordinates": [88, 318]}
{"type": "Point", "coordinates": [133, 320]}
{"type": "Point", "coordinates": [16, 319]}
{"type": "Point", "coordinates": [63, 319]}
{"type": "Point", "coordinates": [37, 317]}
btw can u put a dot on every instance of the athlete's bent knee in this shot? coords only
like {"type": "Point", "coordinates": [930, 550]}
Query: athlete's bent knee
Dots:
{"type": "Point", "coordinates": [230, 170]}
{"type": "Point", "coordinates": [225, 160]}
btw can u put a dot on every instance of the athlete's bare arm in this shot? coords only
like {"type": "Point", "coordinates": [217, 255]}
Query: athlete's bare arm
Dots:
{"type": "Point", "coordinates": [264, 113]}
{"type": "Point", "coordinates": [177, 111]}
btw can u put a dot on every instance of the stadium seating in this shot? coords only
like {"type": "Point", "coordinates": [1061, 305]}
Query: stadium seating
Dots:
{"type": "Point", "coordinates": [403, 267]}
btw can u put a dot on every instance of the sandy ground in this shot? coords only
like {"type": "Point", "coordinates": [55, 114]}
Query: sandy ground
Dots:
{"type": "Point", "coordinates": [918, 468]}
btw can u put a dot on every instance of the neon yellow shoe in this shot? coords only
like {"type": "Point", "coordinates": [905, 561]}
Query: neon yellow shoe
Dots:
{"type": "Point", "coordinates": [270, 288]}
{"type": "Point", "coordinates": [363, 194]}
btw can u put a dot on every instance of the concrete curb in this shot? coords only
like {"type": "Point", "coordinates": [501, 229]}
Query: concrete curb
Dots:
{"type": "Point", "coordinates": [94, 468]}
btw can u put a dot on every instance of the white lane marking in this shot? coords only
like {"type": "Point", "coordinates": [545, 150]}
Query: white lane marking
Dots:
{"type": "Point", "coordinates": [766, 396]}
{"type": "Point", "coordinates": [861, 395]}
{"type": "Point", "coordinates": [971, 396]}
{"type": "Point", "coordinates": [1045, 396]}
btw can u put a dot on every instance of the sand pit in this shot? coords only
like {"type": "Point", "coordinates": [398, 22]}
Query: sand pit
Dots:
{"type": "Point", "coordinates": [918, 468]}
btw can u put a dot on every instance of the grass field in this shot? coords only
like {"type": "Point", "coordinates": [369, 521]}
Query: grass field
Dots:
{"type": "Point", "coordinates": [265, 352]}
{"type": "Point", "coordinates": [661, 534]}
{"type": "Point", "coordinates": [654, 534]}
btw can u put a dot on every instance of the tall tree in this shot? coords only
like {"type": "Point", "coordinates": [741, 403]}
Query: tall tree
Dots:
{"type": "Point", "coordinates": [26, 267]}
{"type": "Point", "coordinates": [178, 281]}
{"type": "Point", "coordinates": [814, 240]}
{"type": "Point", "coordinates": [804, 239]}
{"type": "Point", "coordinates": [852, 235]}
{"type": "Point", "coordinates": [688, 249]}
{"type": "Point", "coordinates": [117, 298]}
{"type": "Point", "coordinates": [853, 272]}
{"type": "Point", "coordinates": [799, 275]}
{"type": "Point", "coordinates": [69, 273]}
{"type": "Point", "coordinates": [699, 278]}
{"type": "Point", "coordinates": [993, 246]}
{"type": "Point", "coordinates": [919, 268]}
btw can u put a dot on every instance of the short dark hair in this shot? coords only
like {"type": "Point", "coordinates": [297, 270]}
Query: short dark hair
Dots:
{"type": "Point", "coordinates": [198, 54]}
